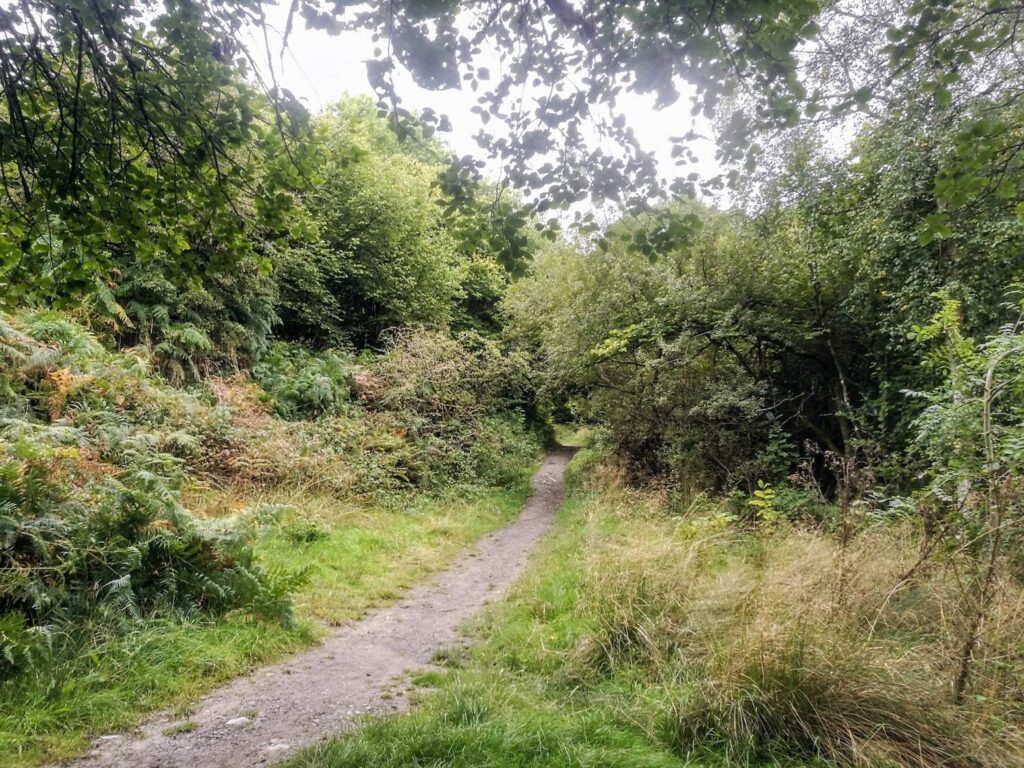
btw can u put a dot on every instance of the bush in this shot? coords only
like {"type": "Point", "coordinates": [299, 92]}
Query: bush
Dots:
{"type": "Point", "coordinates": [500, 451]}
{"type": "Point", "coordinates": [437, 378]}
{"type": "Point", "coordinates": [460, 400]}
{"type": "Point", "coordinates": [304, 385]}
{"type": "Point", "coordinates": [219, 323]}
{"type": "Point", "coordinates": [93, 453]}
{"type": "Point", "coordinates": [118, 544]}
{"type": "Point", "coordinates": [303, 531]}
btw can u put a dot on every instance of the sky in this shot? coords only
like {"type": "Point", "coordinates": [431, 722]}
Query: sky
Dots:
{"type": "Point", "coordinates": [320, 68]}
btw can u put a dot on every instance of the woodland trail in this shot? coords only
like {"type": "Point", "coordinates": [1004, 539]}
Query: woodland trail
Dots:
{"type": "Point", "coordinates": [266, 716]}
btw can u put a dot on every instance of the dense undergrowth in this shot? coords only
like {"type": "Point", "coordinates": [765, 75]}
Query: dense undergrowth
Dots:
{"type": "Point", "coordinates": [205, 458]}
{"type": "Point", "coordinates": [648, 635]}
{"type": "Point", "coordinates": [156, 540]}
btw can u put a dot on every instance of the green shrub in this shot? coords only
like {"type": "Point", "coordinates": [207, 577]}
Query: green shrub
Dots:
{"type": "Point", "coordinates": [219, 323]}
{"type": "Point", "coordinates": [438, 377]}
{"type": "Point", "coordinates": [460, 401]}
{"type": "Point", "coordinates": [302, 384]}
{"type": "Point", "coordinates": [119, 545]}
{"type": "Point", "coordinates": [500, 450]}
{"type": "Point", "coordinates": [93, 453]}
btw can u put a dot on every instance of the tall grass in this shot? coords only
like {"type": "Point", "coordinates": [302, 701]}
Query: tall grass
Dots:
{"type": "Point", "coordinates": [642, 637]}
{"type": "Point", "coordinates": [791, 646]}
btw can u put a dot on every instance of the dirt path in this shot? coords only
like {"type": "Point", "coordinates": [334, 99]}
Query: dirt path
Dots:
{"type": "Point", "coordinates": [266, 716]}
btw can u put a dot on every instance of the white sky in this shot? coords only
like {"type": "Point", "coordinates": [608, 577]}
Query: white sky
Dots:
{"type": "Point", "coordinates": [320, 68]}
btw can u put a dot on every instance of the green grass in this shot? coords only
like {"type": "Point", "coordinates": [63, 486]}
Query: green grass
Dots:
{"type": "Point", "coordinates": [639, 638]}
{"type": "Point", "coordinates": [509, 703]}
{"type": "Point", "coordinates": [49, 714]}
{"type": "Point", "coordinates": [362, 556]}
{"type": "Point", "coordinates": [372, 554]}
{"type": "Point", "coordinates": [573, 435]}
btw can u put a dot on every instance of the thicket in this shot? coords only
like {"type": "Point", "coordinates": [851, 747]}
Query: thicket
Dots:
{"type": "Point", "coordinates": [95, 450]}
{"type": "Point", "coordinates": [768, 339]}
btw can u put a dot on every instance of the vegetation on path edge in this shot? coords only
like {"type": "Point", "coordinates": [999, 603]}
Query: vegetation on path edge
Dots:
{"type": "Point", "coordinates": [643, 637]}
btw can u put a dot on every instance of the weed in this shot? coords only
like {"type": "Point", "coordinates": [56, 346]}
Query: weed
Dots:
{"type": "Point", "coordinates": [303, 532]}
{"type": "Point", "coordinates": [178, 728]}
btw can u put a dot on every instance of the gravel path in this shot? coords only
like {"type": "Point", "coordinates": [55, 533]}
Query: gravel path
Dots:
{"type": "Point", "coordinates": [266, 716]}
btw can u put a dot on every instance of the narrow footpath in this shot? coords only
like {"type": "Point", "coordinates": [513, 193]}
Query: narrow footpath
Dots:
{"type": "Point", "coordinates": [265, 717]}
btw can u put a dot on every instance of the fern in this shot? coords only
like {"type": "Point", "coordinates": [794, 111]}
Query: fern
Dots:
{"type": "Point", "coordinates": [92, 528]}
{"type": "Point", "coordinates": [104, 296]}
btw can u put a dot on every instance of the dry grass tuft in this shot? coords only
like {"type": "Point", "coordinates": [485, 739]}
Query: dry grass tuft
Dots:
{"type": "Point", "coordinates": [789, 646]}
{"type": "Point", "coordinates": [839, 704]}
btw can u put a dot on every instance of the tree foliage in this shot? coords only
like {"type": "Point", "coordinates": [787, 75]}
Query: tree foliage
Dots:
{"type": "Point", "coordinates": [128, 133]}
{"type": "Point", "coordinates": [758, 70]}
{"type": "Point", "coordinates": [761, 332]}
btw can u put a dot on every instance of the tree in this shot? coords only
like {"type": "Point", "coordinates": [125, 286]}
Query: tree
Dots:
{"type": "Point", "coordinates": [125, 124]}
{"type": "Point", "coordinates": [390, 244]}
{"type": "Point", "coordinates": [971, 433]}
{"type": "Point", "coordinates": [786, 325]}
{"type": "Point", "coordinates": [128, 131]}
{"type": "Point", "coordinates": [575, 59]}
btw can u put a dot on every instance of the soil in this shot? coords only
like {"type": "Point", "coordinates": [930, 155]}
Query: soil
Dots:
{"type": "Point", "coordinates": [265, 717]}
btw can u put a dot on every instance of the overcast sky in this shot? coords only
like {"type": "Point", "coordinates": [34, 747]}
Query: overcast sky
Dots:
{"type": "Point", "coordinates": [320, 68]}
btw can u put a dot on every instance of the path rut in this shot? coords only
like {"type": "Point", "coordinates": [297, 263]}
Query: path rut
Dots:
{"type": "Point", "coordinates": [265, 717]}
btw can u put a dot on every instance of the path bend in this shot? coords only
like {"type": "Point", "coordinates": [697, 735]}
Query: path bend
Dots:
{"type": "Point", "coordinates": [266, 716]}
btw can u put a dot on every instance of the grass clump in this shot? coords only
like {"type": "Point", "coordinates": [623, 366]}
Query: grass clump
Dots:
{"type": "Point", "coordinates": [179, 728]}
{"type": "Point", "coordinates": [828, 704]}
